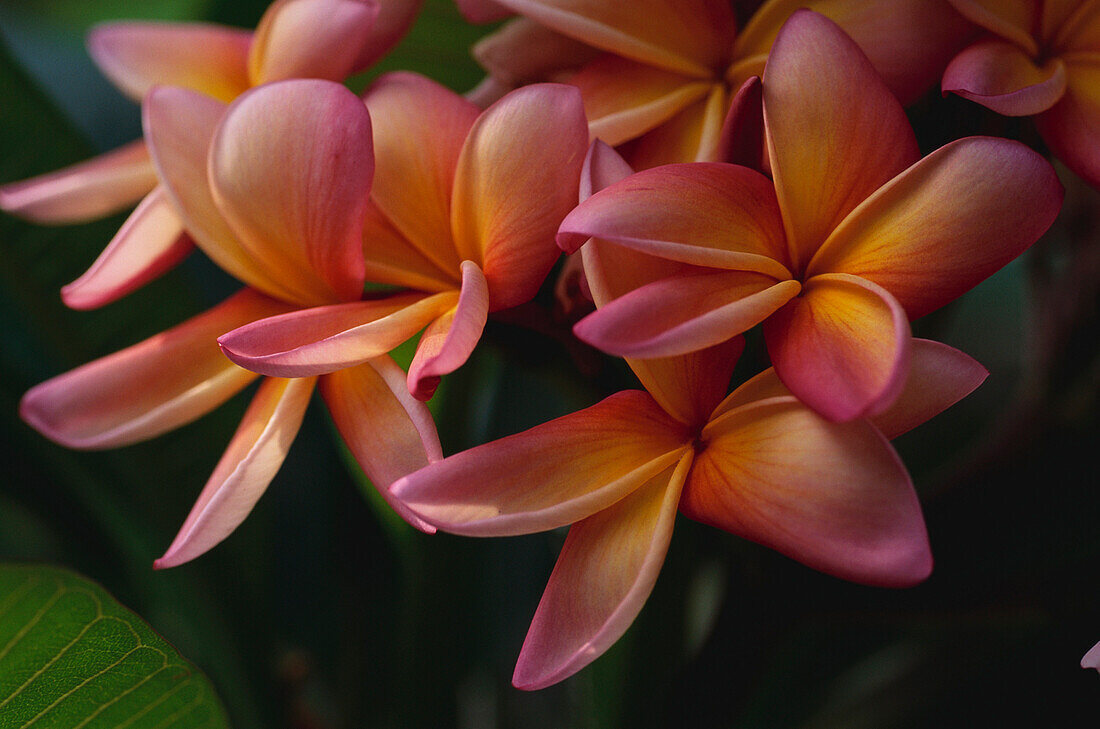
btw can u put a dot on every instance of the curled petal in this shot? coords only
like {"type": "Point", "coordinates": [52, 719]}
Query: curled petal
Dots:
{"type": "Point", "coordinates": [835, 132]}
{"type": "Point", "coordinates": [842, 347]}
{"type": "Point", "coordinates": [84, 191]}
{"type": "Point", "coordinates": [328, 338]}
{"type": "Point", "coordinates": [137, 56]}
{"type": "Point", "coordinates": [1001, 77]}
{"type": "Point", "coordinates": [833, 496]}
{"type": "Point", "coordinates": [523, 52]}
{"type": "Point", "coordinates": [149, 243]}
{"type": "Point", "coordinates": [624, 99]}
{"type": "Point", "coordinates": [705, 214]}
{"type": "Point", "coordinates": [1012, 20]}
{"type": "Point", "coordinates": [516, 179]}
{"type": "Point", "coordinates": [252, 459]}
{"type": "Point", "coordinates": [741, 141]}
{"type": "Point", "coordinates": [290, 168]}
{"type": "Point", "coordinates": [419, 129]}
{"type": "Point", "coordinates": [310, 39]}
{"type": "Point", "coordinates": [390, 433]}
{"type": "Point", "coordinates": [449, 340]}
{"type": "Point", "coordinates": [179, 125]}
{"type": "Point", "coordinates": [684, 313]}
{"type": "Point", "coordinates": [689, 36]}
{"type": "Point", "coordinates": [947, 222]}
{"type": "Point", "coordinates": [147, 389]}
{"type": "Point", "coordinates": [551, 475]}
{"type": "Point", "coordinates": [1069, 128]}
{"type": "Point", "coordinates": [606, 570]}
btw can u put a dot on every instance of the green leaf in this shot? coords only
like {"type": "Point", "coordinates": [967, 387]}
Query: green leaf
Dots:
{"type": "Point", "coordinates": [71, 656]}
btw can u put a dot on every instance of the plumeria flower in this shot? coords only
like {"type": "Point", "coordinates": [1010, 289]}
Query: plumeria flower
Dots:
{"type": "Point", "coordinates": [463, 213]}
{"type": "Point", "coordinates": [275, 190]}
{"type": "Point", "coordinates": [324, 39]}
{"type": "Point", "coordinates": [662, 71]}
{"type": "Point", "coordinates": [757, 463]}
{"type": "Point", "coordinates": [856, 236]}
{"type": "Point", "coordinates": [1038, 59]}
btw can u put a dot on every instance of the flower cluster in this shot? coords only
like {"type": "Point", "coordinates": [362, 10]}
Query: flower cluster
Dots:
{"type": "Point", "coordinates": [705, 179]}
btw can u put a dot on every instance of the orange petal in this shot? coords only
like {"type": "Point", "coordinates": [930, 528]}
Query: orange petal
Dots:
{"type": "Point", "coordinates": [842, 346]}
{"type": "Point", "coordinates": [1001, 77]}
{"type": "Point", "coordinates": [523, 52]}
{"type": "Point", "coordinates": [290, 168]}
{"type": "Point", "coordinates": [947, 222]}
{"type": "Point", "coordinates": [395, 17]}
{"type": "Point", "coordinates": [689, 36]}
{"type": "Point", "coordinates": [705, 214]}
{"type": "Point", "coordinates": [390, 433]}
{"type": "Point", "coordinates": [449, 340]}
{"type": "Point", "coordinates": [1014, 20]}
{"type": "Point", "coordinates": [137, 56]}
{"type": "Point", "coordinates": [252, 459]}
{"type": "Point", "coordinates": [389, 258]}
{"type": "Point", "coordinates": [551, 475]}
{"type": "Point", "coordinates": [832, 496]}
{"type": "Point", "coordinates": [179, 125]}
{"type": "Point", "coordinates": [606, 570]}
{"type": "Point", "coordinates": [1069, 129]}
{"type": "Point", "coordinates": [310, 39]}
{"type": "Point", "coordinates": [84, 191]}
{"type": "Point", "coordinates": [149, 243]}
{"type": "Point", "coordinates": [328, 338]}
{"type": "Point", "coordinates": [691, 136]}
{"type": "Point", "coordinates": [684, 313]}
{"type": "Point", "coordinates": [624, 99]}
{"type": "Point", "coordinates": [517, 177]}
{"type": "Point", "coordinates": [150, 388]}
{"type": "Point", "coordinates": [419, 128]}
{"type": "Point", "coordinates": [835, 132]}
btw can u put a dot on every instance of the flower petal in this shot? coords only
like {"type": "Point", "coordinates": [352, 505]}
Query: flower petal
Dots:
{"type": "Point", "coordinates": [290, 169]}
{"type": "Point", "coordinates": [252, 459]}
{"type": "Point", "coordinates": [741, 140]}
{"type": "Point", "coordinates": [517, 177]}
{"type": "Point", "coordinates": [551, 475]}
{"type": "Point", "coordinates": [150, 388]}
{"type": "Point", "coordinates": [909, 42]}
{"type": "Point", "coordinates": [690, 136]}
{"type": "Point", "coordinates": [84, 191]}
{"type": "Point", "coordinates": [1070, 127]}
{"type": "Point", "coordinates": [310, 39]}
{"type": "Point", "coordinates": [449, 340]}
{"type": "Point", "coordinates": [705, 214]}
{"type": "Point", "coordinates": [947, 222]}
{"type": "Point", "coordinates": [328, 338]}
{"type": "Point", "coordinates": [523, 52]}
{"type": "Point", "coordinates": [389, 258]}
{"type": "Point", "coordinates": [624, 99]}
{"type": "Point", "coordinates": [482, 11]}
{"type": "Point", "coordinates": [395, 17]}
{"type": "Point", "coordinates": [606, 570]}
{"type": "Point", "coordinates": [689, 36]}
{"type": "Point", "coordinates": [419, 128]}
{"type": "Point", "coordinates": [149, 243]}
{"type": "Point", "coordinates": [842, 346]}
{"type": "Point", "coordinates": [1091, 659]}
{"type": "Point", "coordinates": [1001, 77]}
{"type": "Point", "coordinates": [835, 132]}
{"type": "Point", "coordinates": [939, 376]}
{"type": "Point", "coordinates": [390, 433]}
{"type": "Point", "coordinates": [137, 56]}
{"type": "Point", "coordinates": [1013, 20]}
{"type": "Point", "coordinates": [179, 125]}
{"type": "Point", "coordinates": [684, 313]}
{"type": "Point", "coordinates": [833, 496]}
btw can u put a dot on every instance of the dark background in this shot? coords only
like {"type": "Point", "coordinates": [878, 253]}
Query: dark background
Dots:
{"type": "Point", "coordinates": [324, 611]}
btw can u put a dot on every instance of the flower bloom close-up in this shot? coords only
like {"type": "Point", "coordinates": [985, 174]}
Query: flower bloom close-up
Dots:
{"type": "Point", "coordinates": [854, 236]}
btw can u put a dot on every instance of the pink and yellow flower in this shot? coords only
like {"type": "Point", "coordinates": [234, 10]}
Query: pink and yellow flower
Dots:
{"type": "Point", "coordinates": [323, 39]}
{"type": "Point", "coordinates": [463, 213]}
{"type": "Point", "coordinates": [1039, 59]}
{"type": "Point", "coordinates": [274, 189]}
{"type": "Point", "coordinates": [855, 236]}
{"type": "Point", "coordinates": [757, 463]}
{"type": "Point", "coordinates": [662, 71]}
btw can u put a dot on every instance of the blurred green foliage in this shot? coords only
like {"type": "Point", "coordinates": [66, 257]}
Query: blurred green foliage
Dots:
{"type": "Point", "coordinates": [322, 611]}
